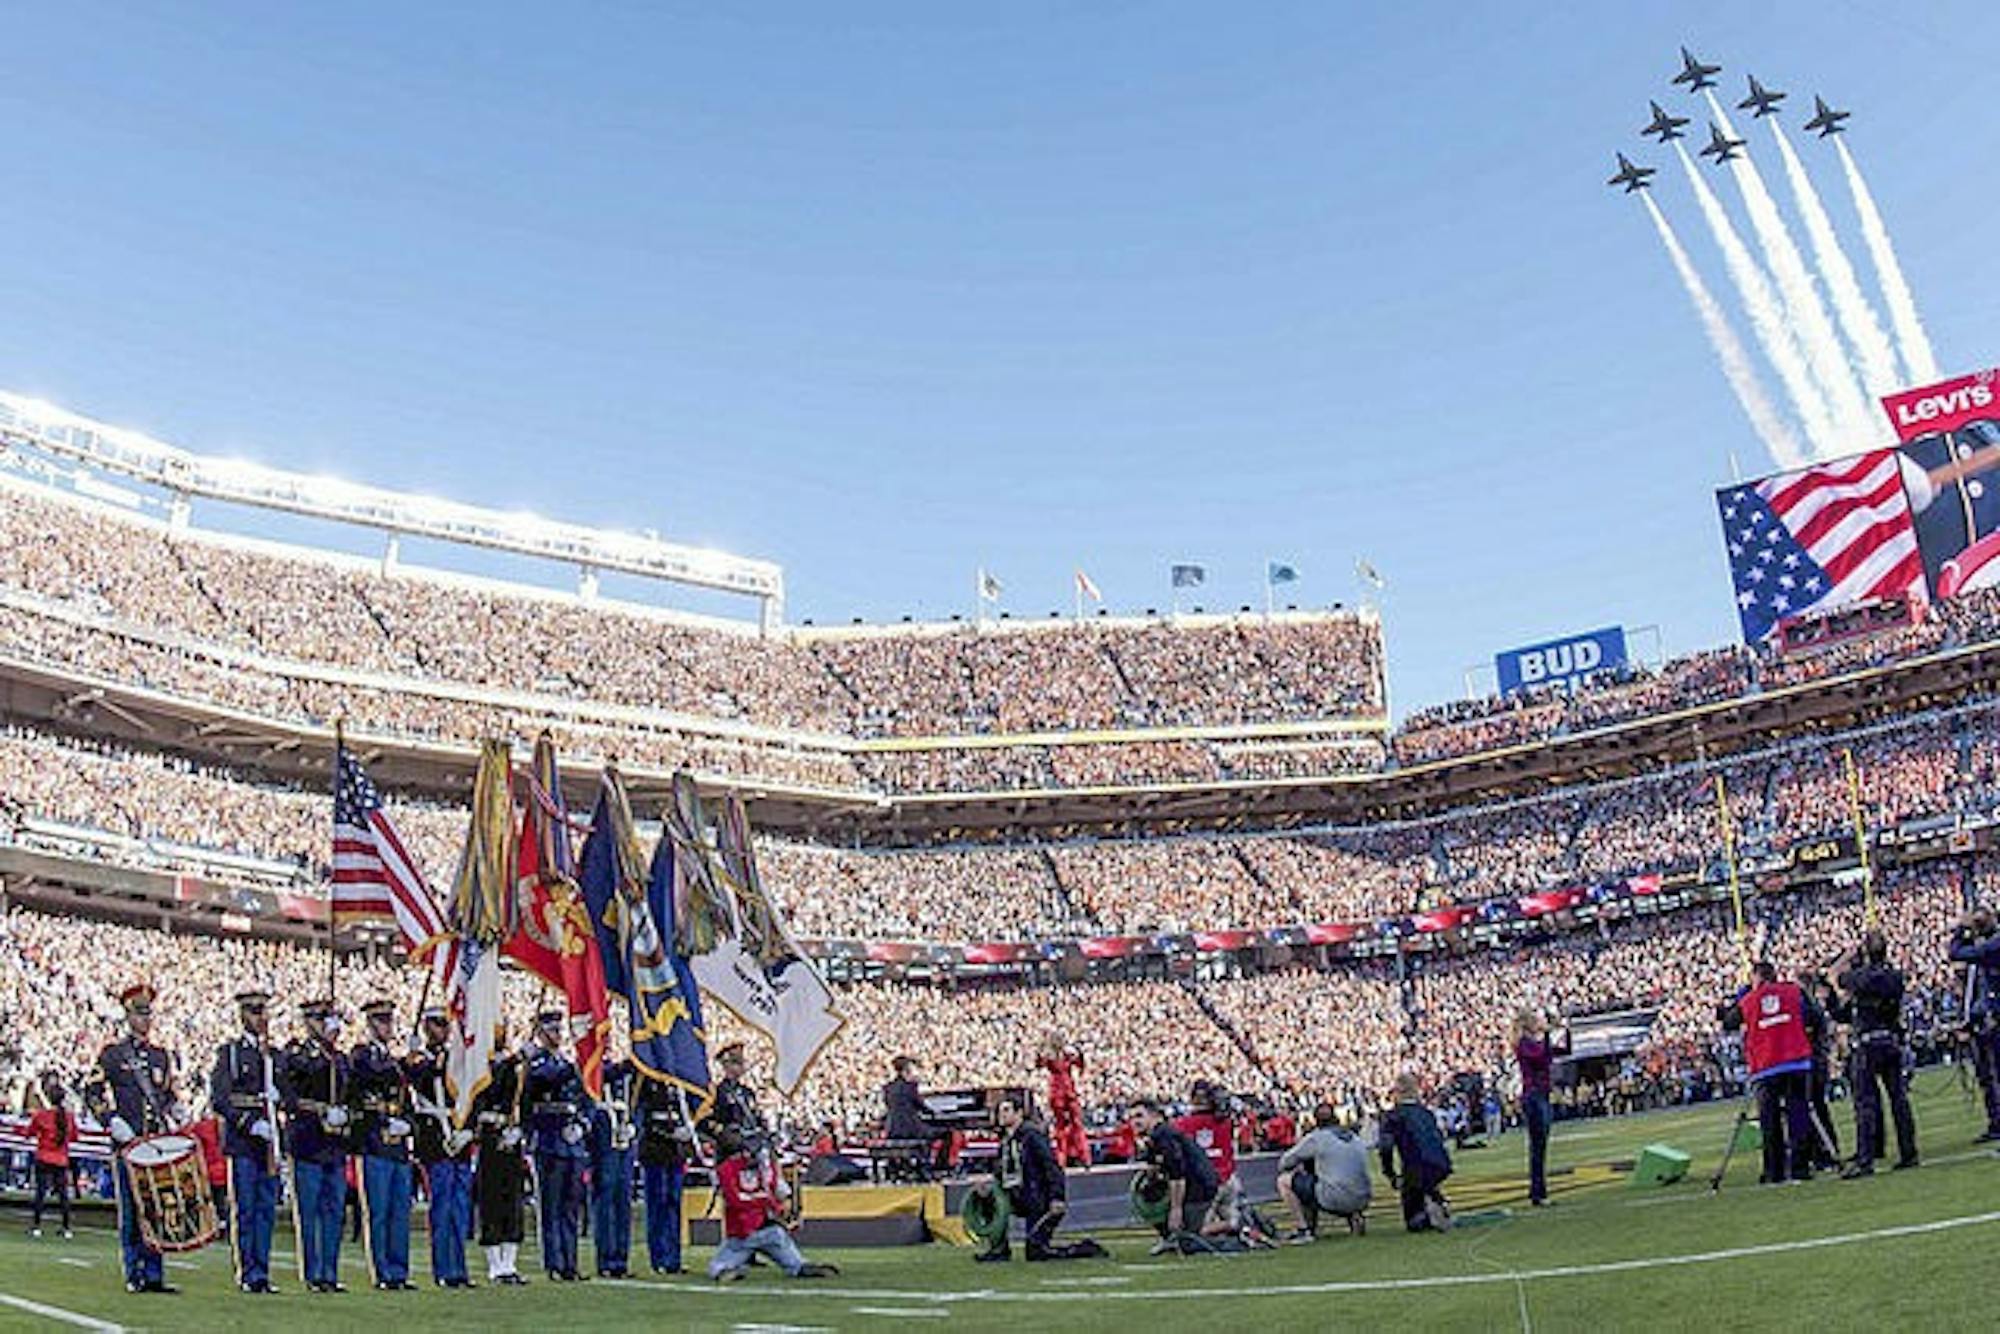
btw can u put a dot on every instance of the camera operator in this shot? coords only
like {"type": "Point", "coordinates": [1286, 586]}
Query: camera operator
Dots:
{"type": "Point", "coordinates": [1773, 1017]}
{"type": "Point", "coordinates": [1977, 945]}
{"type": "Point", "coordinates": [1874, 1006]}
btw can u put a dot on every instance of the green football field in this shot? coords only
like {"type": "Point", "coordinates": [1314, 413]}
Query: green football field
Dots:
{"type": "Point", "coordinates": [1899, 1251]}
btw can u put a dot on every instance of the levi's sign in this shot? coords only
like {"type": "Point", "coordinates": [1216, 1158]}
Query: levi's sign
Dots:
{"type": "Point", "coordinates": [1560, 661]}
{"type": "Point", "coordinates": [1945, 406]}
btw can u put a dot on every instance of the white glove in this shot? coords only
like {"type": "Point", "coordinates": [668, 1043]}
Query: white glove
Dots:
{"type": "Point", "coordinates": [121, 1131]}
{"type": "Point", "coordinates": [260, 1129]}
{"type": "Point", "coordinates": [623, 1139]}
{"type": "Point", "coordinates": [397, 1127]}
{"type": "Point", "coordinates": [510, 1138]}
{"type": "Point", "coordinates": [455, 1143]}
{"type": "Point", "coordinates": [335, 1118]}
{"type": "Point", "coordinates": [572, 1133]}
{"type": "Point", "coordinates": [416, 1046]}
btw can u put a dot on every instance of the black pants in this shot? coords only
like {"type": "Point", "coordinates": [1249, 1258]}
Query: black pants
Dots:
{"type": "Point", "coordinates": [51, 1181]}
{"type": "Point", "coordinates": [1784, 1116]}
{"type": "Point", "coordinates": [1878, 1071]}
{"type": "Point", "coordinates": [1986, 1063]}
{"type": "Point", "coordinates": [1418, 1190]}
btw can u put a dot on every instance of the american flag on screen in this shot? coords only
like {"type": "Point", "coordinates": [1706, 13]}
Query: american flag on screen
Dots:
{"type": "Point", "coordinates": [374, 876]}
{"type": "Point", "coordinates": [1819, 538]}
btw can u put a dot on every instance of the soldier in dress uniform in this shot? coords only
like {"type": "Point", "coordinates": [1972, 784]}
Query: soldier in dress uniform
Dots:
{"type": "Point", "coordinates": [666, 1141]}
{"type": "Point", "coordinates": [243, 1090]}
{"type": "Point", "coordinates": [315, 1081]}
{"type": "Point", "coordinates": [612, 1132]}
{"type": "Point", "coordinates": [139, 1088]}
{"type": "Point", "coordinates": [381, 1096]}
{"type": "Point", "coordinates": [503, 1167]}
{"type": "Point", "coordinates": [735, 1101]}
{"type": "Point", "coordinates": [559, 1115]}
{"type": "Point", "coordinates": [443, 1150]}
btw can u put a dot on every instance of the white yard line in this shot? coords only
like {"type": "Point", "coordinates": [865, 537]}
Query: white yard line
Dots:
{"type": "Point", "coordinates": [48, 1312]}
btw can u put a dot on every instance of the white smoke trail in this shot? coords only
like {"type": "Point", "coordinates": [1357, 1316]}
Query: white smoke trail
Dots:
{"type": "Point", "coordinates": [1765, 418]}
{"type": "Point", "coordinates": [1767, 317]}
{"type": "Point", "coordinates": [1911, 340]}
{"type": "Point", "coordinates": [1857, 318]}
{"type": "Point", "coordinates": [1803, 309]}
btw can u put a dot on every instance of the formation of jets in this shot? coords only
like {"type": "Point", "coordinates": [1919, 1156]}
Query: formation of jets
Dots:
{"type": "Point", "coordinates": [1695, 76]}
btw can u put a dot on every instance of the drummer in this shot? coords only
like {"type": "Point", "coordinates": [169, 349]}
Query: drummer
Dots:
{"type": "Point", "coordinates": [139, 1084]}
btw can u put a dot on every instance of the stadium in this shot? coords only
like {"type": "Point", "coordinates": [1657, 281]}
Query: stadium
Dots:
{"type": "Point", "coordinates": [281, 746]}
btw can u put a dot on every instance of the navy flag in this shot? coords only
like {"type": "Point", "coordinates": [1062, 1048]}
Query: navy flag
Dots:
{"type": "Point", "coordinates": [1189, 576]}
{"type": "Point", "coordinates": [632, 913]}
{"type": "Point", "coordinates": [1277, 572]}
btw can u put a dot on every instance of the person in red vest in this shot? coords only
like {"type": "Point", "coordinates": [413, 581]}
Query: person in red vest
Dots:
{"type": "Point", "coordinates": [1775, 1018]}
{"type": "Point", "coordinates": [52, 1127]}
{"type": "Point", "coordinates": [207, 1132]}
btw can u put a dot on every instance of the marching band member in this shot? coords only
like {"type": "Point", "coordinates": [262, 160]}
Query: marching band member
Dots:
{"type": "Point", "coordinates": [381, 1090]}
{"type": "Point", "coordinates": [444, 1151]}
{"type": "Point", "coordinates": [314, 1082]}
{"type": "Point", "coordinates": [139, 1084]}
{"type": "Point", "coordinates": [243, 1091]}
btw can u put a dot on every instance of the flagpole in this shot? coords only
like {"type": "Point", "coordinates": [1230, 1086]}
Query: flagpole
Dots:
{"type": "Point", "coordinates": [1267, 591]}
{"type": "Point", "coordinates": [1076, 586]}
{"type": "Point", "coordinates": [1861, 842]}
{"type": "Point", "coordinates": [339, 749]}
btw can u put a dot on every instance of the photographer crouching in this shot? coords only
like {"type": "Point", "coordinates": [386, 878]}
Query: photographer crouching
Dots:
{"type": "Point", "coordinates": [1976, 943]}
{"type": "Point", "coordinates": [1873, 1006]}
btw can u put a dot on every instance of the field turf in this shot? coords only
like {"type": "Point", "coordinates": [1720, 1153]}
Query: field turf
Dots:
{"type": "Point", "coordinates": [1902, 1250]}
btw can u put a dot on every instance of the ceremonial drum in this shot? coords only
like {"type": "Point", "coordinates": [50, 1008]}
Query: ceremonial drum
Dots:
{"type": "Point", "coordinates": [170, 1190]}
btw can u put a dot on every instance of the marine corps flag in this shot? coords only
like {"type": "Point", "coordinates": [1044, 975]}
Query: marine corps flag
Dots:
{"type": "Point", "coordinates": [553, 938]}
{"type": "Point", "coordinates": [736, 939]}
{"type": "Point", "coordinates": [631, 911]}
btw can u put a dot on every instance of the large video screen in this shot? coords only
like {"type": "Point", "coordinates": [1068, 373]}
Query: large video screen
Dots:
{"type": "Point", "coordinates": [1951, 475]}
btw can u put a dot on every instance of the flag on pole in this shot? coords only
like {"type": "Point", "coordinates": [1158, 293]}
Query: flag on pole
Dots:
{"type": "Point", "coordinates": [1188, 576]}
{"type": "Point", "coordinates": [553, 938]}
{"type": "Point", "coordinates": [631, 909]}
{"type": "Point", "coordinates": [1086, 589]}
{"type": "Point", "coordinates": [1277, 572]}
{"type": "Point", "coordinates": [375, 879]}
{"type": "Point", "coordinates": [736, 940]}
{"type": "Point", "coordinates": [1370, 575]}
{"type": "Point", "coordinates": [483, 914]}
{"type": "Point", "coordinates": [989, 587]}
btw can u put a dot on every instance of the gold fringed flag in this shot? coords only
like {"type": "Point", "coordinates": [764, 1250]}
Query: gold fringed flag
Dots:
{"type": "Point", "coordinates": [483, 914]}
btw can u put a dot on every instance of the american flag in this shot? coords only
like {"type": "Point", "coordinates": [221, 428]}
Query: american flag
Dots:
{"type": "Point", "coordinates": [374, 876]}
{"type": "Point", "coordinates": [1819, 538]}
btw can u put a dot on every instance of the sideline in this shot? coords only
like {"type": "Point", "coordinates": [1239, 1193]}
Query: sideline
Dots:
{"type": "Point", "coordinates": [78, 1319]}
{"type": "Point", "coordinates": [1339, 1286]}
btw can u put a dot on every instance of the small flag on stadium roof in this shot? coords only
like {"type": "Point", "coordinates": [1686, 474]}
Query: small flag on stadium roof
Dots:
{"type": "Point", "coordinates": [989, 587]}
{"type": "Point", "coordinates": [374, 876]}
{"type": "Point", "coordinates": [1818, 538]}
{"type": "Point", "coordinates": [1277, 572]}
{"type": "Point", "coordinates": [1189, 576]}
{"type": "Point", "coordinates": [1370, 575]}
{"type": "Point", "coordinates": [1086, 588]}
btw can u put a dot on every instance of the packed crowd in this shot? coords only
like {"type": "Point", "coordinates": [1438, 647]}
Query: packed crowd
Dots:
{"type": "Point", "coordinates": [293, 606]}
{"type": "Point", "coordinates": [1928, 764]}
{"type": "Point", "coordinates": [1296, 1035]}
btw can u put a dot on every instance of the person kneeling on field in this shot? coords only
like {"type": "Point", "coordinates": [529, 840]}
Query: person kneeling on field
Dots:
{"type": "Point", "coordinates": [1410, 1132]}
{"type": "Point", "coordinates": [1326, 1173]}
{"type": "Point", "coordinates": [752, 1204]}
{"type": "Point", "coordinates": [1036, 1189]}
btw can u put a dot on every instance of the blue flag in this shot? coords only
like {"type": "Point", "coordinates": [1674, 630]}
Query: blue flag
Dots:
{"type": "Point", "coordinates": [634, 923]}
{"type": "Point", "coordinates": [1189, 576]}
{"type": "Point", "coordinates": [1277, 572]}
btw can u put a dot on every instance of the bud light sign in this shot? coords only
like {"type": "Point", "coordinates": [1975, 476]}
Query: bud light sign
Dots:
{"type": "Point", "coordinates": [1562, 662]}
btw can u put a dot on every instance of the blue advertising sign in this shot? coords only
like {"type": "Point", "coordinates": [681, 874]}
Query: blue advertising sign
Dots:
{"type": "Point", "coordinates": [1563, 661]}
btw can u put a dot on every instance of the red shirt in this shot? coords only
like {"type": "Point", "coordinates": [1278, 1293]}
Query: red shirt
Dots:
{"type": "Point", "coordinates": [52, 1144]}
{"type": "Point", "coordinates": [1280, 1132]}
{"type": "Point", "coordinates": [749, 1202]}
{"type": "Point", "coordinates": [1216, 1137]}
{"type": "Point", "coordinates": [1122, 1143]}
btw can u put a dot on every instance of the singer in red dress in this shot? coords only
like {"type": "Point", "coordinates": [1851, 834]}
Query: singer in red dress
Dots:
{"type": "Point", "coordinates": [1066, 1135]}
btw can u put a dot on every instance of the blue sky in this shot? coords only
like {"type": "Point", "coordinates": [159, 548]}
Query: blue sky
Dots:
{"type": "Point", "coordinates": [890, 292]}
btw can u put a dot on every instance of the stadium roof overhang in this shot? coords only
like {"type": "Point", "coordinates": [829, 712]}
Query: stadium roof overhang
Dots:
{"type": "Point", "coordinates": [301, 753]}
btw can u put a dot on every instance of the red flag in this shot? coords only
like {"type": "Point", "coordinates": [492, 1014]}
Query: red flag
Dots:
{"type": "Point", "coordinates": [554, 940]}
